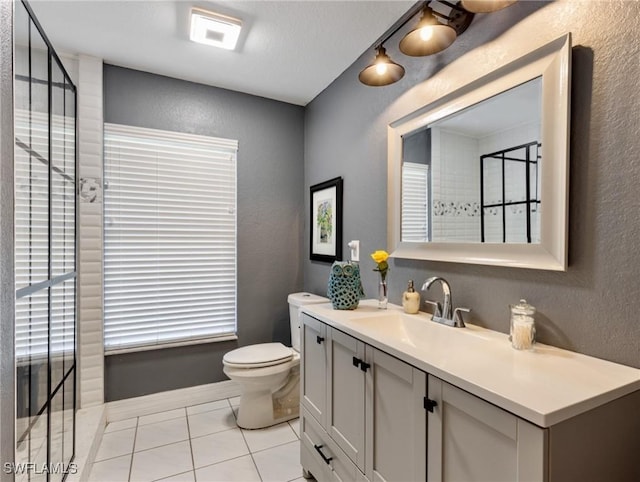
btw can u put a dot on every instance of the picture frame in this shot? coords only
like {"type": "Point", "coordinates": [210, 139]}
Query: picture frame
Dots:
{"type": "Point", "coordinates": [326, 221]}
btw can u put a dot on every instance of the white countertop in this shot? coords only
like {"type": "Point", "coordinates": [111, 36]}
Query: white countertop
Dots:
{"type": "Point", "coordinates": [544, 386]}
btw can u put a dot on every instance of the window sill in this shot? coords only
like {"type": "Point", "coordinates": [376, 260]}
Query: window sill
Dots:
{"type": "Point", "coordinates": [172, 344]}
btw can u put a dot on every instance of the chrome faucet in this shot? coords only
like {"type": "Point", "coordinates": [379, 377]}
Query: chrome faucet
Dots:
{"type": "Point", "coordinates": [446, 290]}
{"type": "Point", "coordinates": [445, 314]}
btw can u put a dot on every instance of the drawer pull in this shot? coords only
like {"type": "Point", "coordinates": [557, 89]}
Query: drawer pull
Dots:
{"type": "Point", "coordinates": [364, 366]}
{"type": "Point", "coordinates": [356, 362]}
{"type": "Point", "coordinates": [319, 340]}
{"type": "Point", "coordinates": [326, 459]}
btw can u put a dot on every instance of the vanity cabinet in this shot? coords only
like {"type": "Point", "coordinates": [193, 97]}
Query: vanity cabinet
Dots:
{"type": "Point", "coordinates": [371, 425]}
{"type": "Point", "coordinates": [313, 379]}
{"type": "Point", "coordinates": [470, 439]}
{"type": "Point", "coordinates": [394, 397]}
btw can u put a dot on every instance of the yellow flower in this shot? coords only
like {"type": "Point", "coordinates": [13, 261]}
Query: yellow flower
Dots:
{"type": "Point", "coordinates": [380, 256]}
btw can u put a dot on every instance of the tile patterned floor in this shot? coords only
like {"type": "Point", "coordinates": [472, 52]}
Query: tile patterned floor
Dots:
{"type": "Point", "coordinates": [200, 443]}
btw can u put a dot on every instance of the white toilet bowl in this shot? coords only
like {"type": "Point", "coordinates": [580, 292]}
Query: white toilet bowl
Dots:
{"type": "Point", "coordinates": [269, 374]}
{"type": "Point", "coordinates": [270, 394]}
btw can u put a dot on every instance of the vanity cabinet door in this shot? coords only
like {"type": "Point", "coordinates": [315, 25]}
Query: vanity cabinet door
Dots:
{"type": "Point", "coordinates": [471, 439]}
{"type": "Point", "coordinates": [396, 419]}
{"type": "Point", "coordinates": [313, 382]}
{"type": "Point", "coordinates": [346, 407]}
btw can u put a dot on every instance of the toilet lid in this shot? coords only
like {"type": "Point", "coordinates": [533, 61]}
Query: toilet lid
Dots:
{"type": "Point", "coordinates": [257, 356]}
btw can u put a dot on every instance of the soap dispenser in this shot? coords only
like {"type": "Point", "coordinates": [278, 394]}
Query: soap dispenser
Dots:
{"type": "Point", "coordinates": [411, 299]}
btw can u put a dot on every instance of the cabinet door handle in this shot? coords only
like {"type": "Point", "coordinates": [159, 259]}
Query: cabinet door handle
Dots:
{"type": "Point", "coordinates": [319, 340]}
{"type": "Point", "coordinates": [429, 404]}
{"type": "Point", "coordinates": [364, 366]}
{"type": "Point", "coordinates": [356, 362]}
{"type": "Point", "coordinates": [326, 459]}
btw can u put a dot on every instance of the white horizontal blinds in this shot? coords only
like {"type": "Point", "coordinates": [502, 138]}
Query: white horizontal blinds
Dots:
{"type": "Point", "coordinates": [169, 237]}
{"type": "Point", "coordinates": [31, 198]}
{"type": "Point", "coordinates": [32, 231]}
{"type": "Point", "coordinates": [415, 200]}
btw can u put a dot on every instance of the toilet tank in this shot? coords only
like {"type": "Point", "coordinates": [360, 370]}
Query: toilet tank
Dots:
{"type": "Point", "coordinates": [297, 300]}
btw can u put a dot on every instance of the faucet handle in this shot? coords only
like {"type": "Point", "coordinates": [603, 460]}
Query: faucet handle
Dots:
{"type": "Point", "coordinates": [457, 316]}
{"type": "Point", "coordinates": [437, 308]}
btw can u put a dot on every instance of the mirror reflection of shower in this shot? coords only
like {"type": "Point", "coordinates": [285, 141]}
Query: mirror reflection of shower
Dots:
{"type": "Point", "coordinates": [474, 176]}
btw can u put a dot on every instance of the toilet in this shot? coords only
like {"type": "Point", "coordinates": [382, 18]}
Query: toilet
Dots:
{"type": "Point", "coordinates": [269, 373]}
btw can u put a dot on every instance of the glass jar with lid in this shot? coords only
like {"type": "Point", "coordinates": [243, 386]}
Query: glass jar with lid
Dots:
{"type": "Point", "coordinates": [522, 330]}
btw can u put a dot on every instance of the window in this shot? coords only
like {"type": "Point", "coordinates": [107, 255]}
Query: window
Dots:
{"type": "Point", "coordinates": [169, 237]}
{"type": "Point", "coordinates": [415, 202]}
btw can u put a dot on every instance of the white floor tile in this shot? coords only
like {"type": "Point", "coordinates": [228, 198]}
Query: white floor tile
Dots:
{"type": "Point", "coordinates": [241, 469]}
{"type": "Point", "coordinates": [161, 433]}
{"type": "Point", "coordinates": [161, 416]}
{"type": "Point", "coordinates": [218, 447]}
{"type": "Point", "coordinates": [207, 407]}
{"type": "Point", "coordinates": [295, 425]}
{"type": "Point", "coordinates": [211, 422]}
{"type": "Point", "coordinates": [269, 437]}
{"type": "Point", "coordinates": [121, 425]}
{"type": "Point", "coordinates": [184, 477]}
{"type": "Point", "coordinates": [234, 401]}
{"type": "Point", "coordinates": [112, 470]}
{"type": "Point", "coordinates": [279, 463]}
{"type": "Point", "coordinates": [115, 444]}
{"type": "Point", "coordinates": [165, 461]}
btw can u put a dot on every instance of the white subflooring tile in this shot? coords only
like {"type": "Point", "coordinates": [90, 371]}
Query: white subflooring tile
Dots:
{"type": "Point", "coordinates": [200, 443]}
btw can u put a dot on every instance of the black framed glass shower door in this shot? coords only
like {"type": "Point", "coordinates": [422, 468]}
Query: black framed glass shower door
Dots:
{"type": "Point", "coordinates": [45, 255]}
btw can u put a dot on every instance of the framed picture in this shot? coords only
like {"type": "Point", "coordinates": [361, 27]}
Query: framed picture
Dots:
{"type": "Point", "coordinates": [326, 221]}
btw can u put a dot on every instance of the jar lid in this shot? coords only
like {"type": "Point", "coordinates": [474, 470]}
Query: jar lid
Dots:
{"type": "Point", "coordinates": [523, 308]}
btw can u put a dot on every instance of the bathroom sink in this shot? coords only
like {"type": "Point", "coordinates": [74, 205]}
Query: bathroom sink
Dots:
{"type": "Point", "coordinates": [417, 331]}
{"type": "Point", "coordinates": [408, 329]}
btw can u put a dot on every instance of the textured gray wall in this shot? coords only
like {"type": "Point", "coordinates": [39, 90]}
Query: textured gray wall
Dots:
{"type": "Point", "coordinates": [270, 216]}
{"type": "Point", "coordinates": [7, 288]}
{"type": "Point", "coordinates": [593, 307]}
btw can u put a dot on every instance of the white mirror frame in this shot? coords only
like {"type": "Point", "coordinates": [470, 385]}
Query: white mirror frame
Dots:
{"type": "Point", "coordinates": [552, 62]}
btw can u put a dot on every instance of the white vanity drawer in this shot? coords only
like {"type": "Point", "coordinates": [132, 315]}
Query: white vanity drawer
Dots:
{"type": "Point", "coordinates": [320, 453]}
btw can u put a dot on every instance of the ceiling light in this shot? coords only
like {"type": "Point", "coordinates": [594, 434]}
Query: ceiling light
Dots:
{"type": "Point", "coordinates": [486, 6]}
{"type": "Point", "coordinates": [211, 28]}
{"type": "Point", "coordinates": [429, 37]}
{"type": "Point", "coordinates": [383, 70]}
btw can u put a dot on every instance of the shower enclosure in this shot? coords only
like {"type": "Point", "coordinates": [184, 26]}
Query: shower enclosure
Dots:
{"type": "Point", "coordinates": [45, 187]}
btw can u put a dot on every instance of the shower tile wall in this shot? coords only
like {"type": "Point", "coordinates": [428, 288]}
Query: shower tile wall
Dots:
{"type": "Point", "coordinates": [456, 186]}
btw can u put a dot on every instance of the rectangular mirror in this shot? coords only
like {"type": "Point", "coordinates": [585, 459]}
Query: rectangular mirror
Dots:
{"type": "Point", "coordinates": [481, 176]}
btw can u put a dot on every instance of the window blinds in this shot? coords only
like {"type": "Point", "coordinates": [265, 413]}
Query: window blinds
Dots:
{"type": "Point", "coordinates": [415, 200]}
{"type": "Point", "coordinates": [169, 237]}
{"type": "Point", "coordinates": [35, 319]}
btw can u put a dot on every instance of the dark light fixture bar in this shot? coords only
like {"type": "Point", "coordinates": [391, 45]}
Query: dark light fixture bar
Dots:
{"type": "Point", "coordinates": [430, 36]}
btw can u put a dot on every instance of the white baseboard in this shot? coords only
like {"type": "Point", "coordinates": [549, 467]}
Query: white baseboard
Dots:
{"type": "Point", "coordinates": [159, 402]}
{"type": "Point", "coordinates": [90, 424]}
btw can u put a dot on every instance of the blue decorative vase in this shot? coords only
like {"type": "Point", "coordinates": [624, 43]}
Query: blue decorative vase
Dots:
{"type": "Point", "coordinates": [345, 287]}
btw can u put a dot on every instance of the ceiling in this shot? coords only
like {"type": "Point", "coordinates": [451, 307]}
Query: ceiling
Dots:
{"type": "Point", "coordinates": [289, 50]}
{"type": "Point", "coordinates": [510, 108]}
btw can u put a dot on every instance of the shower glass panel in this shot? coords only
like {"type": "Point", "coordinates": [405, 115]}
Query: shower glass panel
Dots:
{"type": "Point", "coordinates": [45, 254]}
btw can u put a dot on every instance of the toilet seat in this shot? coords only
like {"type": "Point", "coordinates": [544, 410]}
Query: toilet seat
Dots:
{"type": "Point", "coordinates": [258, 356]}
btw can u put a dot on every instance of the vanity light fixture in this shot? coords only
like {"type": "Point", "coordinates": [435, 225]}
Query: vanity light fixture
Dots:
{"type": "Point", "coordinates": [434, 32]}
{"type": "Point", "coordinates": [213, 29]}
{"type": "Point", "coordinates": [486, 6]}
{"type": "Point", "coordinates": [383, 70]}
{"type": "Point", "coordinates": [429, 37]}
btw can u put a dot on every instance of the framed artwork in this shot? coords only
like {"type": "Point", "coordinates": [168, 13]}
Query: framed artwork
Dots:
{"type": "Point", "coordinates": [326, 221]}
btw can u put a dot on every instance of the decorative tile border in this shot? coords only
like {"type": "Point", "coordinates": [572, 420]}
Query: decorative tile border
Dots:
{"type": "Point", "coordinates": [455, 208]}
